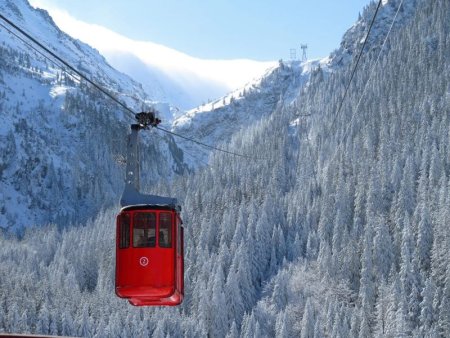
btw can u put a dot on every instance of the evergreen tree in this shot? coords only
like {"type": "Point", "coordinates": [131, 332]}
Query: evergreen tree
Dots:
{"type": "Point", "coordinates": [308, 321]}
{"type": "Point", "coordinates": [219, 319]}
{"type": "Point", "coordinates": [367, 290]}
{"type": "Point", "coordinates": [233, 333]}
{"type": "Point", "coordinates": [443, 322]}
{"type": "Point", "coordinates": [281, 328]}
{"type": "Point", "coordinates": [234, 302]}
{"type": "Point", "coordinates": [67, 328]}
{"type": "Point", "coordinates": [382, 248]}
{"type": "Point", "coordinates": [425, 240]}
{"type": "Point", "coordinates": [426, 312]}
{"type": "Point", "coordinates": [42, 326]}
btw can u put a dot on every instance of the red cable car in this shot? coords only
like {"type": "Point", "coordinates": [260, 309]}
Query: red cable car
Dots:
{"type": "Point", "coordinates": [149, 238]}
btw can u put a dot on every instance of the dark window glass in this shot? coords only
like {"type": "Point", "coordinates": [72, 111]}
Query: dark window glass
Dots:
{"type": "Point", "coordinates": [165, 230]}
{"type": "Point", "coordinates": [179, 239]}
{"type": "Point", "coordinates": [144, 229]}
{"type": "Point", "coordinates": [123, 222]}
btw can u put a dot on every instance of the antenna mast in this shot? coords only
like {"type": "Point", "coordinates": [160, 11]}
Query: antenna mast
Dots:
{"type": "Point", "coordinates": [304, 48]}
{"type": "Point", "coordinates": [293, 54]}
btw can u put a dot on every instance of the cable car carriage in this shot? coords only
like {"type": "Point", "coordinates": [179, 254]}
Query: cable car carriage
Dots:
{"type": "Point", "coordinates": [149, 237]}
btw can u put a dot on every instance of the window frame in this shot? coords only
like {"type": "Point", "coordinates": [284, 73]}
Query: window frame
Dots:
{"type": "Point", "coordinates": [170, 228]}
{"type": "Point", "coordinates": [123, 241]}
{"type": "Point", "coordinates": [179, 238]}
{"type": "Point", "coordinates": [149, 228]}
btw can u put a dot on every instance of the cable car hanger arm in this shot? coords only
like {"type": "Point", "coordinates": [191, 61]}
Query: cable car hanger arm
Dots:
{"type": "Point", "coordinates": [131, 194]}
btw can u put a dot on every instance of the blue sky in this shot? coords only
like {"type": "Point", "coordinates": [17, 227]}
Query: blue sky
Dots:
{"type": "Point", "coordinates": [224, 29]}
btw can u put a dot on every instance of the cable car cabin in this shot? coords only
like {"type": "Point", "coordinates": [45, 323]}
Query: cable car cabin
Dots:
{"type": "Point", "coordinates": [149, 240]}
{"type": "Point", "coordinates": [149, 255]}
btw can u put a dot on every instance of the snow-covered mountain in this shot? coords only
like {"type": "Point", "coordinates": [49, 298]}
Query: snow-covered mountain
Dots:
{"type": "Point", "coordinates": [60, 138]}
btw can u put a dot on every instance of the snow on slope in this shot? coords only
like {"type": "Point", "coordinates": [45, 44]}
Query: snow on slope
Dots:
{"type": "Point", "coordinates": [215, 123]}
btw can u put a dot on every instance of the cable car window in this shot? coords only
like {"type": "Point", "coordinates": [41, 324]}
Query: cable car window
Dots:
{"type": "Point", "coordinates": [123, 222]}
{"type": "Point", "coordinates": [144, 229]}
{"type": "Point", "coordinates": [165, 230]}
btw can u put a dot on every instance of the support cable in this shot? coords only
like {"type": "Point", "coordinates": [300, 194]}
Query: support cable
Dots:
{"type": "Point", "coordinates": [207, 145]}
{"type": "Point", "coordinates": [356, 65]}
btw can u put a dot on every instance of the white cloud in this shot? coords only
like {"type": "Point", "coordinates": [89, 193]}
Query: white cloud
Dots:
{"type": "Point", "coordinates": [211, 77]}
